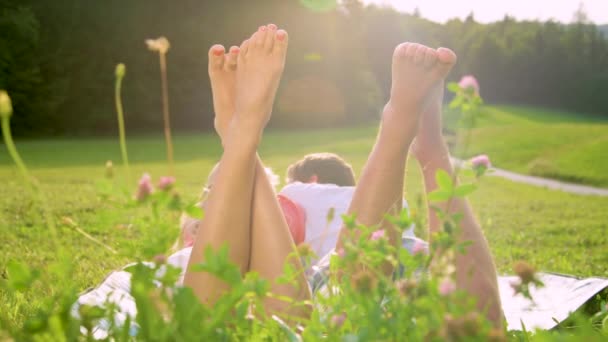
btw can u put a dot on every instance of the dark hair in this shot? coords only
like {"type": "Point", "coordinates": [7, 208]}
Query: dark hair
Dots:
{"type": "Point", "coordinates": [328, 167]}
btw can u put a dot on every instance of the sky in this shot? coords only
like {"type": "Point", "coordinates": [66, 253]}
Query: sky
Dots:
{"type": "Point", "coordinates": [494, 10]}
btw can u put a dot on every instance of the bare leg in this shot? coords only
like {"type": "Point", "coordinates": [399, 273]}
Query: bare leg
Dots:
{"type": "Point", "coordinates": [228, 208]}
{"type": "Point", "coordinates": [476, 272]}
{"type": "Point", "coordinates": [416, 70]}
{"type": "Point", "coordinates": [271, 241]}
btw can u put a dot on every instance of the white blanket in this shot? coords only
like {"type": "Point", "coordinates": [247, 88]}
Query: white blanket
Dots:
{"type": "Point", "coordinates": [554, 302]}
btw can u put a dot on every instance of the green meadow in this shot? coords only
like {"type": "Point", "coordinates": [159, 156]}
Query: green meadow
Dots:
{"type": "Point", "coordinates": [554, 231]}
{"type": "Point", "coordinates": [546, 143]}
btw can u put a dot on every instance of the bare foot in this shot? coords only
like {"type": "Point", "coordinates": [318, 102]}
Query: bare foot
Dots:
{"type": "Point", "coordinates": [417, 70]}
{"type": "Point", "coordinates": [260, 65]}
{"type": "Point", "coordinates": [222, 73]}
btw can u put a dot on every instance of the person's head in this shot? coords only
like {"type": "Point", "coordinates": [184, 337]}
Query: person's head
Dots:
{"type": "Point", "coordinates": [324, 168]}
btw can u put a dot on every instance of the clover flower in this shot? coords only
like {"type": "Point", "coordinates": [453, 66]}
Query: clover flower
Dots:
{"type": "Point", "coordinates": [160, 259]}
{"type": "Point", "coordinates": [525, 272]}
{"type": "Point", "coordinates": [461, 328]}
{"type": "Point", "coordinates": [446, 287]}
{"type": "Point", "coordinates": [469, 82]}
{"type": "Point", "coordinates": [338, 320]}
{"type": "Point", "coordinates": [377, 235]}
{"type": "Point", "coordinates": [364, 281]}
{"type": "Point", "coordinates": [144, 187]}
{"type": "Point", "coordinates": [481, 160]}
{"type": "Point", "coordinates": [419, 247]}
{"type": "Point", "coordinates": [406, 286]}
{"type": "Point", "coordinates": [166, 183]}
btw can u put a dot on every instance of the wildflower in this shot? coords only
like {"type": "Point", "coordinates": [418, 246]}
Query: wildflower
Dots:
{"type": "Point", "coordinates": [461, 328]}
{"type": "Point", "coordinates": [161, 44]}
{"type": "Point", "coordinates": [446, 287]}
{"type": "Point", "coordinates": [469, 82]}
{"type": "Point", "coordinates": [120, 70]}
{"type": "Point", "coordinates": [160, 259]}
{"type": "Point", "coordinates": [525, 272]}
{"type": "Point", "coordinates": [338, 320]}
{"type": "Point", "coordinates": [340, 252]}
{"type": "Point", "coordinates": [166, 183]}
{"type": "Point", "coordinates": [419, 247]}
{"type": "Point", "coordinates": [6, 108]}
{"type": "Point", "coordinates": [481, 160]}
{"type": "Point", "coordinates": [406, 286]}
{"type": "Point", "coordinates": [67, 221]}
{"type": "Point", "coordinates": [109, 169]}
{"type": "Point", "coordinates": [144, 188]}
{"type": "Point", "coordinates": [364, 281]}
{"type": "Point", "coordinates": [377, 235]}
{"type": "Point", "coordinates": [305, 251]}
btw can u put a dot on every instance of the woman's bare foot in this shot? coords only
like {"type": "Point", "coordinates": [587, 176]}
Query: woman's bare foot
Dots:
{"type": "Point", "coordinates": [222, 73]}
{"type": "Point", "coordinates": [261, 61]}
{"type": "Point", "coordinates": [417, 71]}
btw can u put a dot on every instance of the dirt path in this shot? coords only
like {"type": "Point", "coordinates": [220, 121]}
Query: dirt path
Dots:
{"type": "Point", "coordinates": [545, 183]}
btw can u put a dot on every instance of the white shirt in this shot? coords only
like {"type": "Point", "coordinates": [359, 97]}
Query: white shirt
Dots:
{"type": "Point", "coordinates": [317, 200]}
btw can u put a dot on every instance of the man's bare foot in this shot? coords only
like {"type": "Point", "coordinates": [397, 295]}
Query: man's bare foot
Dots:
{"type": "Point", "coordinates": [222, 73]}
{"type": "Point", "coordinates": [417, 70]}
{"type": "Point", "coordinates": [260, 65]}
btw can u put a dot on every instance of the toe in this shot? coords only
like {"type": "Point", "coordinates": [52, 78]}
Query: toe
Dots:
{"type": "Point", "coordinates": [216, 57]}
{"type": "Point", "coordinates": [420, 54]}
{"type": "Point", "coordinates": [401, 50]}
{"type": "Point", "coordinates": [410, 52]}
{"type": "Point", "coordinates": [430, 58]}
{"type": "Point", "coordinates": [270, 37]}
{"type": "Point", "coordinates": [280, 43]}
{"type": "Point", "coordinates": [231, 58]}
{"type": "Point", "coordinates": [446, 58]}
{"type": "Point", "coordinates": [244, 49]}
{"type": "Point", "coordinates": [260, 36]}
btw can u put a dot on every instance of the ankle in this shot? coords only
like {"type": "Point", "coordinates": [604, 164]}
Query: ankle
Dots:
{"type": "Point", "coordinates": [244, 133]}
{"type": "Point", "coordinates": [399, 124]}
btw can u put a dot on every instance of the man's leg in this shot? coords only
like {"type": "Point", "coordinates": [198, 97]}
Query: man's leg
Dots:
{"type": "Point", "coordinates": [475, 270]}
{"type": "Point", "coordinates": [271, 241]}
{"type": "Point", "coordinates": [416, 69]}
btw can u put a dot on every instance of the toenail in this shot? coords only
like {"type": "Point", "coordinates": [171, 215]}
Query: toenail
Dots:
{"type": "Point", "coordinates": [272, 26]}
{"type": "Point", "coordinates": [262, 28]}
{"type": "Point", "coordinates": [281, 36]}
{"type": "Point", "coordinates": [217, 52]}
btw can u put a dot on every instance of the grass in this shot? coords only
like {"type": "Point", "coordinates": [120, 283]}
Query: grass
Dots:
{"type": "Point", "coordinates": [559, 145]}
{"type": "Point", "coordinates": [553, 230]}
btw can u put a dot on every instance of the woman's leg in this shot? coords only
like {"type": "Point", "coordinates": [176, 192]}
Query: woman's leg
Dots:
{"type": "Point", "coordinates": [416, 69]}
{"type": "Point", "coordinates": [271, 242]}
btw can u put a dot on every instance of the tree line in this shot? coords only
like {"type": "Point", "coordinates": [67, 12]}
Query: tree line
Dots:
{"type": "Point", "coordinates": [57, 60]}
